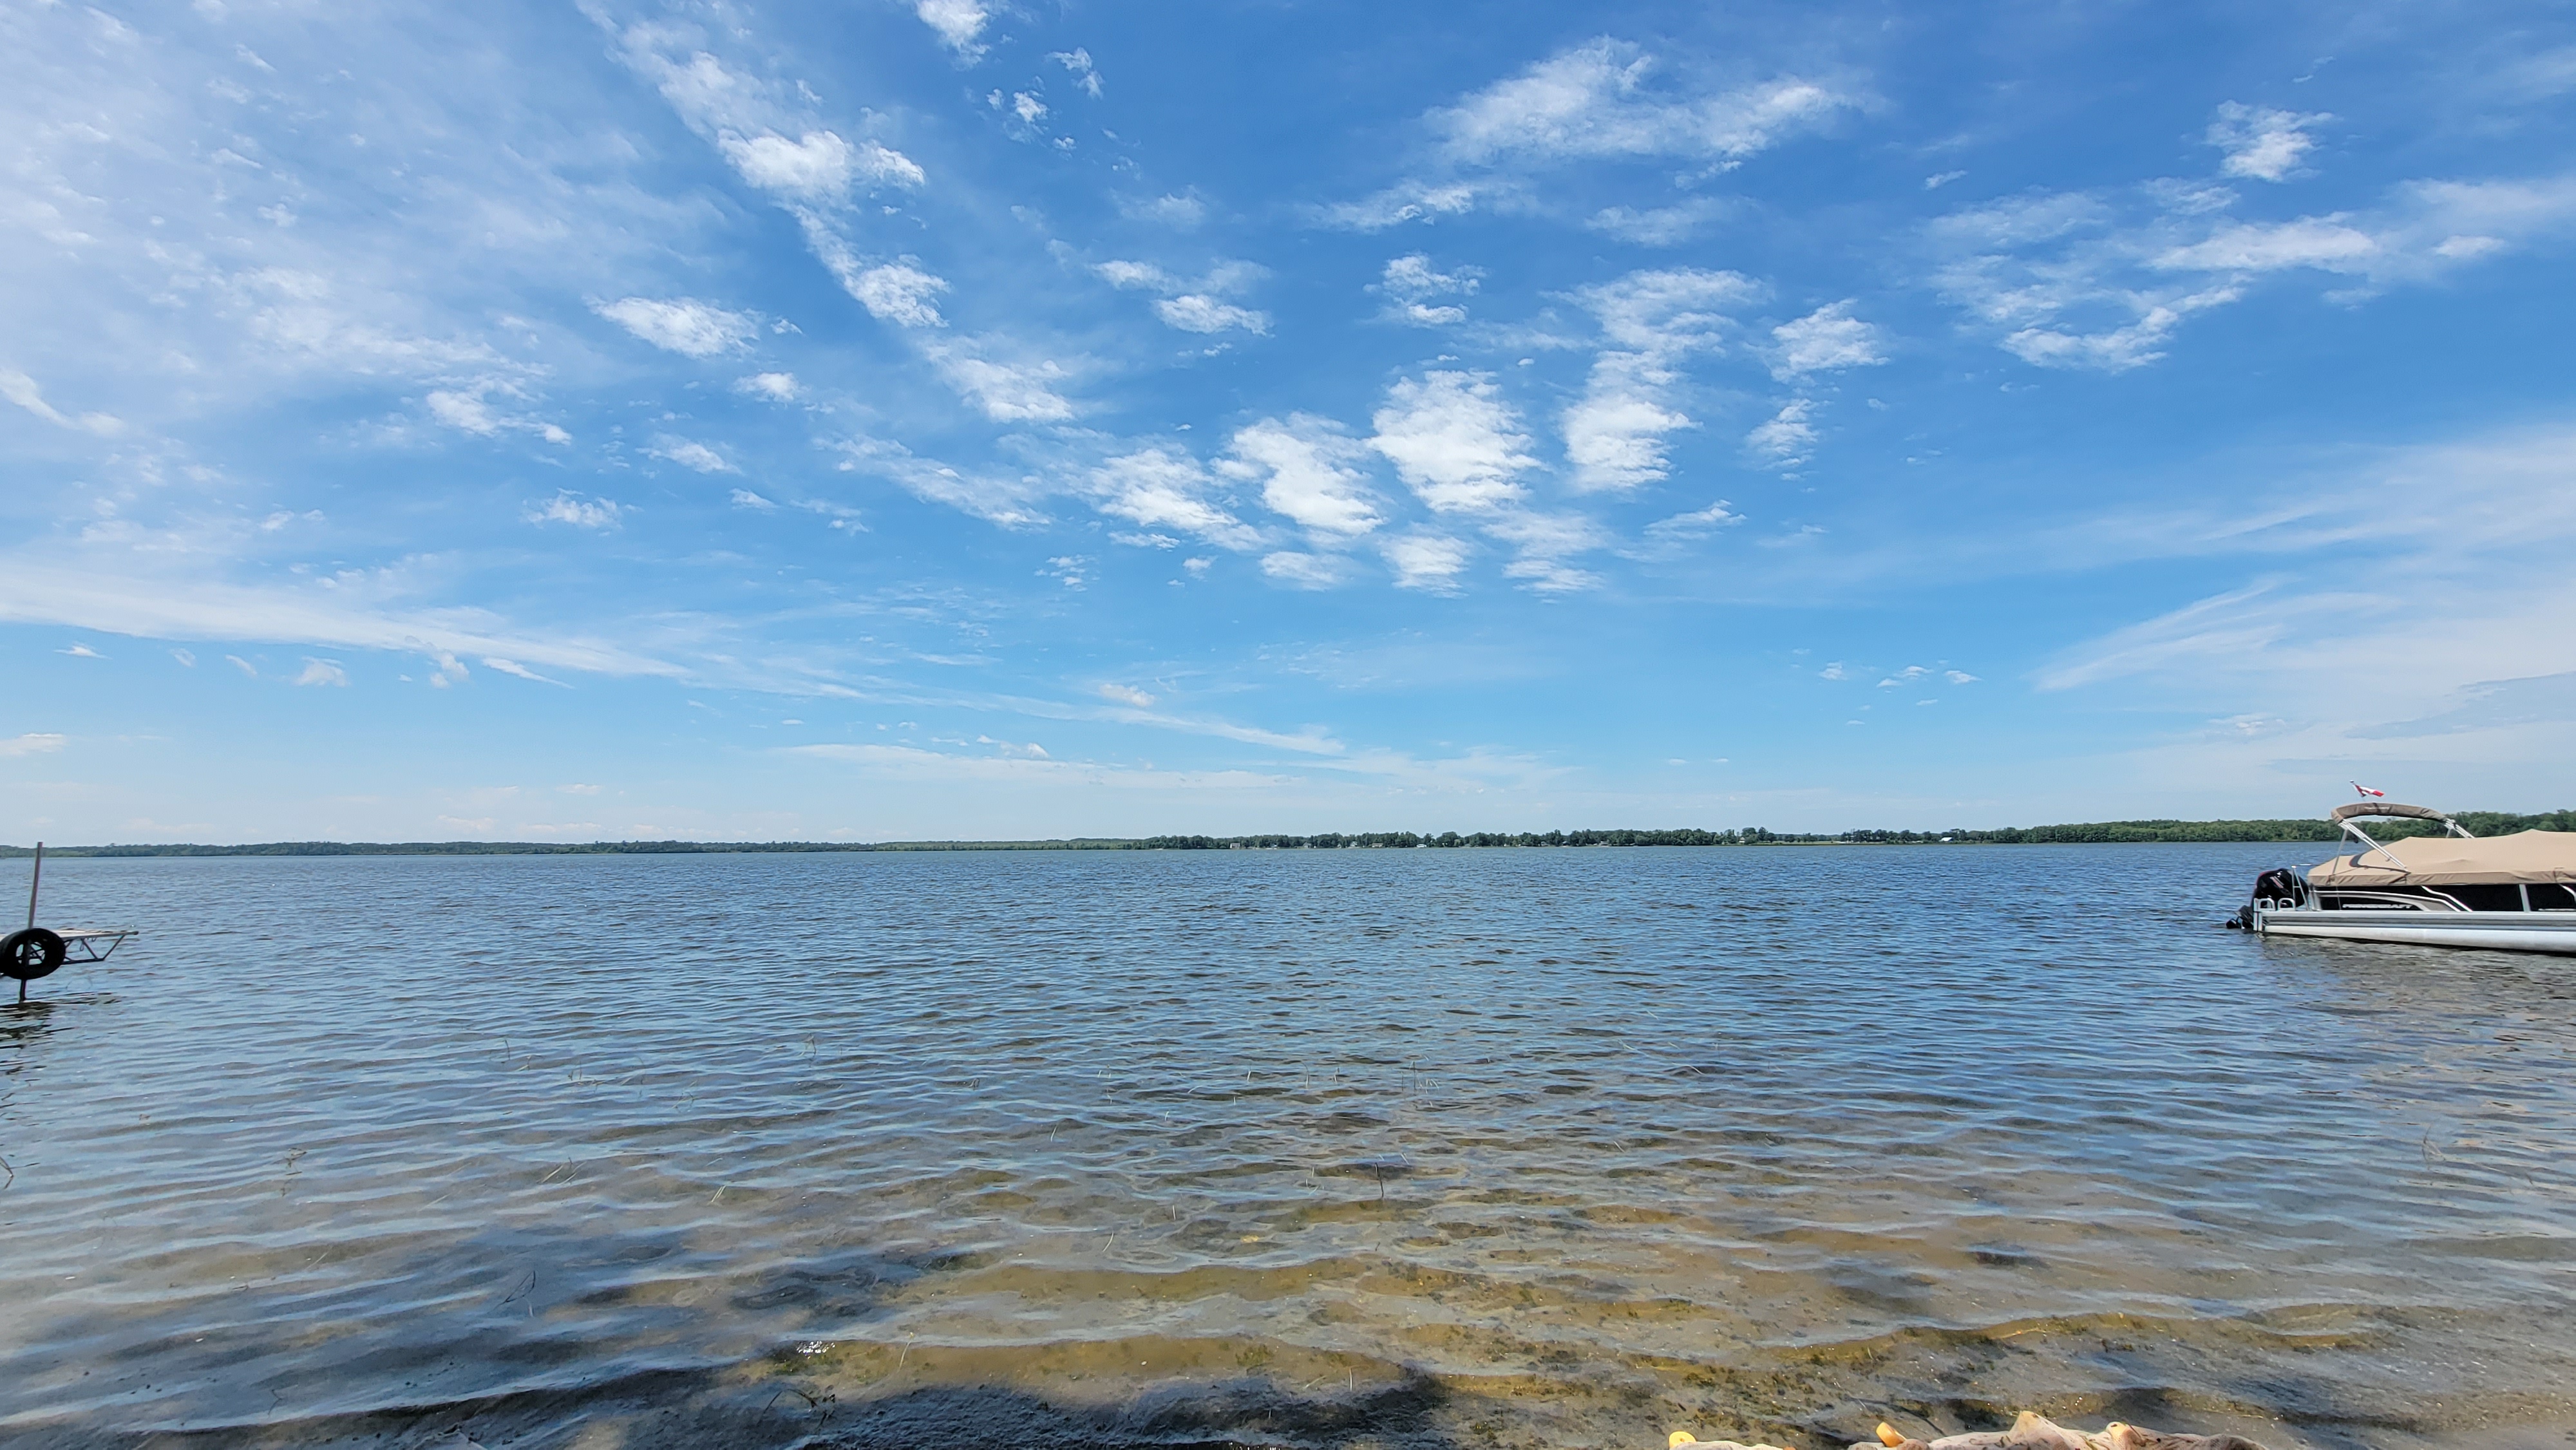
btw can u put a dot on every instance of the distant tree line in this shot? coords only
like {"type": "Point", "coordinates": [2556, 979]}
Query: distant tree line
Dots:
{"type": "Point", "coordinates": [2483, 823]}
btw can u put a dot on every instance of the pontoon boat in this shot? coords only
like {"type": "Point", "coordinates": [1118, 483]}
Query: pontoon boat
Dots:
{"type": "Point", "coordinates": [2512, 893]}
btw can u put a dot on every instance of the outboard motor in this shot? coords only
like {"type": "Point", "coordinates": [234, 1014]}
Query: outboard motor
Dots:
{"type": "Point", "coordinates": [2277, 889]}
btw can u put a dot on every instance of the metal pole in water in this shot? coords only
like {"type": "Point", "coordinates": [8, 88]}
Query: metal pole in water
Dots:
{"type": "Point", "coordinates": [34, 881]}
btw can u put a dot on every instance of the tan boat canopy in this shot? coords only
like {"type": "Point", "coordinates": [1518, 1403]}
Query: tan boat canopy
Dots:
{"type": "Point", "coordinates": [2530, 858]}
{"type": "Point", "coordinates": [2364, 810]}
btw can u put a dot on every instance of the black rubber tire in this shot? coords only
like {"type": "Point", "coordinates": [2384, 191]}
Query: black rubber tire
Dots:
{"type": "Point", "coordinates": [31, 954]}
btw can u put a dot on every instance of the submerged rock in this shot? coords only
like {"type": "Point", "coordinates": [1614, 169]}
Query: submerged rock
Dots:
{"type": "Point", "coordinates": [2030, 1432]}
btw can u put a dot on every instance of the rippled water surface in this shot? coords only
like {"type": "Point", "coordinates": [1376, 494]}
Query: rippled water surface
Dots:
{"type": "Point", "coordinates": [1419, 1148]}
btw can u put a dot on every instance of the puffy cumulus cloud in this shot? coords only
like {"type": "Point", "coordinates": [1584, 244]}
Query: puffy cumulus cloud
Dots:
{"type": "Point", "coordinates": [959, 24]}
{"type": "Point", "coordinates": [686, 326]}
{"type": "Point", "coordinates": [1824, 340]}
{"type": "Point", "coordinates": [820, 166]}
{"type": "Point", "coordinates": [1156, 487]}
{"type": "Point", "coordinates": [30, 745]}
{"type": "Point", "coordinates": [689, 454]}
{"type": "Point", "coordinates": [568, 507]}
{"type": "Point", "coordinates": [1309, 472]}
{"type": "Point", "coordinates": [900, 293]}
{"type": "Point", "coordinates": [1600, 99]}
{"type": "Point", "coordinates": [1426, 560]}
{"type": "Point", "coordinates": [1306, 571]}
{"type": "Point", "coordinates": [1006, 392]}
{"type": "Point", "coordinates": [321, 672]}
{"type": "Point", "coordinates": [1454, 440]}
{"type": "Point", "coordinates": [778, 387]}
{"type": "Point", "coordinates": [2263, 144]}
{"type": "Point", "coordinates": [1787, 435]}
{"type": "Point", "coordinates": [1410, 284]}
{"type": "Point", "coordinates": [1126, 695]}
{"type": "Point", "coordinates": [1614, 433]}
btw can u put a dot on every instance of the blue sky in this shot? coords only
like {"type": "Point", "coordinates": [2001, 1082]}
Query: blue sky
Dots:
{"type": "Point", "coordinates": [952, 418]}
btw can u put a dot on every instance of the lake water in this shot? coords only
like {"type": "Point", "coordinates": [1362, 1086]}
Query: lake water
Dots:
{"type": "Point", "coordinates": [1337, 1149]}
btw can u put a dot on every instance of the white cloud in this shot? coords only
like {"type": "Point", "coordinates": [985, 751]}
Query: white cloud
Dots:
{"type": "Point", "coordinates": [2321, 242]}
{"type": "Point", "coordinates": [470, 410]}
{"type": "Point", "coordinates": [1008, 393]}
{"type": "Point", "coordinates": [900, 293]}
{"type": "Point", "coordinates": [1959, 677]}
{"type": "Point", "coordinates": [1454, 440]}
{"type": "Point", "coordinates": [1186, 306]}
{"type": "Point", "coordinates": [1157, 487]}
{"type": "Point", "coordinates": [1425, 560]}
{"type": "Point", "coordinates": [744, 498]}
{"type": "Point", "coordinates": [819, 167]}
{"type": "Point", "coordinates": [1078, 61]}
{"type": "Point", "coordinates": [1404, 202]}
{"type": "Point", "coordinates": [567, 507]}
{"type": "Point", "coordinates": [1028, 108]}
{"type": "Point", "coordinates": [30, 745]}
{"type": "Point", "coordinates": [1126, 695]}
{"type": "Point", "coordinates": [694, 328]}
{"type": "Point", "coordinates": [513, 667]}
{"type": "Point", "coordinates": [1697, 524]}
{"type": "Point", "coordinates": [781, 387]}
{"type": "Point", "coordinates": [2260, 143]}
{"type": "Point", "coordinates": [243, 665]}
{"type": "Point", "coordinates": [322, 672]}
{"type": "Point", "coordinates": [1827, 338]}
{"type": "Point", "coordinates": [1598, 100]}
{"type": "Point", "coordinates": [1662, 226]}
{"type": "Point", "coordinates": [1409, 284]}
{"type": "Point", "coordinates": [1787, 434]}
{"type": "Point", "coordinates": [1306, 571]}
{"type": "Point", "coordinates": [688, 454]}
{"type": "Point", "coordinates": [1543, 542]}
{"type": "Point", "coordinates": [21, 389]}
{"type": "Point", "coordinates": [1183, 211]}
{"type": "Point", "coordinates": [1670, 310]}
{"type": "Point", "coordinates": [1133, 275]}
{"type": "Point", "coordinates": [1312, 474]}
{"type": "Point", "coordinates": [2100, 281]}
{"type": "Point", "coordinates": [1192, 312]}
{"type": "Point", "coordinates": [957, 22]}
{"type": "Point", "coordinates": [80, 652]}
{"type": "Point", "coordinates": [1614, 434]}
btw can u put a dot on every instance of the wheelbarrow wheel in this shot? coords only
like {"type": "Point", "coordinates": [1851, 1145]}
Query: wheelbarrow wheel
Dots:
{"type": "Point", "coordinates": [31, 954]}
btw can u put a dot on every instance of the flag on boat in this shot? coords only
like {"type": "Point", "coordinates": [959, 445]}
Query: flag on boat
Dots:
{"type": "Point", "coordinates": [2365, 790]}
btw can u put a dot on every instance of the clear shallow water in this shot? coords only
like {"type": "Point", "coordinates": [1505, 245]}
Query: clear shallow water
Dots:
{"type": "Point", "coordinates": [1422, 1148]}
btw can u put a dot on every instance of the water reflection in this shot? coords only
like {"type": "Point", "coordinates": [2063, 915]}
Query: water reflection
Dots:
{"type": "Point", "coordinates": [1572, 1146]}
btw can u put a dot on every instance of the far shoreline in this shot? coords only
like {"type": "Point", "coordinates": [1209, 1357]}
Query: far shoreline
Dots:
{"type": "Point", "coordinates": [2143, 832]}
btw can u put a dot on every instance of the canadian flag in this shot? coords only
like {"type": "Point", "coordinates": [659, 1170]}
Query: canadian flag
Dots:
{"type": "Point", "coordinates": [2365, 790]}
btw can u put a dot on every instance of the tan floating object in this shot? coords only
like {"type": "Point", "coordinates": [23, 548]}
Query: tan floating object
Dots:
{"type": "Point", "coordinates": [1684, 1440]}
{"type": "Point", "coordinates": [2034, 1432]}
